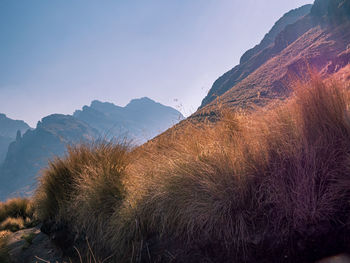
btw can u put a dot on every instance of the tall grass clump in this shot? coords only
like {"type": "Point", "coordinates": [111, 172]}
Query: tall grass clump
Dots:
{"type": "Point", "coordinates": [271, 185]}
{"type": "Point", "coordinates": [80, 191]}
{"type": "Point", "coordinates": [16, 207]}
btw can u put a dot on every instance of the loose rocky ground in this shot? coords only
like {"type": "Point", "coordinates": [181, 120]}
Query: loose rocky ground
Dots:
{"type": "Point", "coordinates": [32, 246]}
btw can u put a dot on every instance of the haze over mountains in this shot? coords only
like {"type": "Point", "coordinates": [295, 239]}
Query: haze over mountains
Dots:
{"type": "Point", "coordinates": [139, 121]}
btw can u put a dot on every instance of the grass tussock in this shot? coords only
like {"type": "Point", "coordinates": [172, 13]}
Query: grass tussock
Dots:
{"type": "Point", "coordinates": [16, 207]}
{"type": "Point", "coordinates": [12, 224]}
{"type": "Point", "coordinates": [267, 186]}
{"type": "Point", "coordinates": [16, 214]}
{"type": "Point", "coordinates": [83, 189]}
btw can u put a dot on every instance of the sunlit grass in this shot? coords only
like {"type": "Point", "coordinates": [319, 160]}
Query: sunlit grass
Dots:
{"type": "Point", "coordinates": [270, 184]}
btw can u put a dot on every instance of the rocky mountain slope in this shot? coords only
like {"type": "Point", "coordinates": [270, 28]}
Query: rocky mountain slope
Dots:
{"type": "Point", "coordinates": [8, 131]}
{"type": "Point", "coordinates": [317, 41]}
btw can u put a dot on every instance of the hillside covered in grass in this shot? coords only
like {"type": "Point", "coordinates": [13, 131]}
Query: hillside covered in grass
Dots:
{"type": "Point", "coordinates": [314, 37]}
{"type": "Point", "coordinates": [265, 186]}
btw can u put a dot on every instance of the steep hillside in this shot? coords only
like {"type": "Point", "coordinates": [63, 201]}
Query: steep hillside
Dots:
{"type": "Point", "coordinates": [8, 131]}
{"type": "Point", "coordinates": [255, 57]}
{"type": "Point", "coordinates": [318, 41]}
{"type": "Point", "coordinates": [140, 120]}
{"type": "Point", "coordinates": [28, 154]}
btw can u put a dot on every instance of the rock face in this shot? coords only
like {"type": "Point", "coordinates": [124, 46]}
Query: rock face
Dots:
{"type": "Point", "coordinates": [8, 130]}
{"type": "Point", "coordinates": [28, 154]}
{"type": "Point", "coordinates": [140, 120]}
{"type": "Point", "coordinates": [318, 41]}
{"type": "Point", "coordinates": [38, 248]}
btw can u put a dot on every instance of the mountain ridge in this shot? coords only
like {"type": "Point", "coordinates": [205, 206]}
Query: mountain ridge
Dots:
{"type": "Point", "coordinates": [261, 52]}
{"type": "Point", "coordinates": [316, 41]}
{"type": "Point", "coordinates": [138, 121]}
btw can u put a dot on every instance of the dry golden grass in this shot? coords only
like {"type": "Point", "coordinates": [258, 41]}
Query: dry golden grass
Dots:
{"type": "Point", "coordinates": [16, 207]}
{"type": "Point", "coordinates": [84, 189]}
{"type": "Point", "coordinates": [267, 186]}
{"type": "Point", "coordinates": [12, 224]}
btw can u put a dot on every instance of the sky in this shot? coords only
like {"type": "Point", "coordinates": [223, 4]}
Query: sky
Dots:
{"type": "Point", "coordinates": [58, 55]}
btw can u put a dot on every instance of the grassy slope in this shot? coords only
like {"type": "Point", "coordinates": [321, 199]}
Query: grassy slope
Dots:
{"type": "Point", "coordinates": [268, 186]}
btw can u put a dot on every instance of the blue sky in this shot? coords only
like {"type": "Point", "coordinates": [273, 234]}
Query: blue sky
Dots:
{"type": "Point", "coordinates": [58, 55]}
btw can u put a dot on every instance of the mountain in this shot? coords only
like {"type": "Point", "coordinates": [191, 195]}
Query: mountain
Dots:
{"type": "Point", "coordinates": [8, 131]}
{"type": "Point", "coordinates": [30, 153]}
{"type": "Point", "coordinates": [318, 40]}
{"type": "Point", "coordinates": [255, 57]}
{"type": "Point", "coordinates": [140, 120]}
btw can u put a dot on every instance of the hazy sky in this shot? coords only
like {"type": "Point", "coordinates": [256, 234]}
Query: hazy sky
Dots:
{"type": "Point", "coordinates": [58, 55]}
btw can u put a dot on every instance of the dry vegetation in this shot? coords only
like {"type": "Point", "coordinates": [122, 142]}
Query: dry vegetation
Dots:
{"type": "Point", "coordinates": [268, 186]}
{"type": "Point", "coordinates": [15, 214]}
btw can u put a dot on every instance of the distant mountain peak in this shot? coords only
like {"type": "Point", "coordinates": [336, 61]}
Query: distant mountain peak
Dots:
{"type": "Point", "coordinates": [142, 101]}
{"type": "Point", "coordinates": [103, 106]}
{"type": "Point", "coordinates": [9, 127]}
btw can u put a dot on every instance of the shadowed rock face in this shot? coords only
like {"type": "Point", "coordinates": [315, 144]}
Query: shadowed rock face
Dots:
{"type": "Point", "coordinates": [39, 249]}
{"type": "Point", "coordinates": [318, 41]}
{"type": "Point", "coordinates": [333, 10]}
